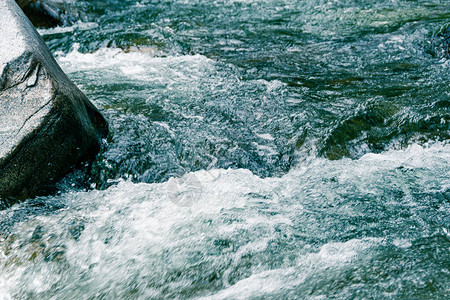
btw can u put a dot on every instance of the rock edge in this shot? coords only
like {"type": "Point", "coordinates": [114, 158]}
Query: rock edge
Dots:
{"type": "Point", "coordinates": [47, 125]}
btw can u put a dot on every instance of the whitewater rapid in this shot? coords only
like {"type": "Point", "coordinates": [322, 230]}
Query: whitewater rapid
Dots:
{"type": "Point", "coordinates": [246, 236]}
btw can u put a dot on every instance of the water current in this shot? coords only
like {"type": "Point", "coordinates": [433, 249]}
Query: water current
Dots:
{"type": "Point", "coordinates": [259, 149]}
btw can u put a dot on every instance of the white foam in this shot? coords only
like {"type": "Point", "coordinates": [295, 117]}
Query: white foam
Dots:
{"type": "Point", "coordinates": [273, 281]}
{"type": "Point", "coordinates": [129, 63]}
{"type": "Point", "coordinates": [142, 234]}
{"type": "Point", "coordinates": [81, 26]}
{"type": "Point", "coordinates": [266, 136]}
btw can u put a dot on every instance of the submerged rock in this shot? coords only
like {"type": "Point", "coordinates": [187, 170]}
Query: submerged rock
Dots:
{"type": "Point", "coordinates": [47, 125]}
{"type": "Point", "coordinates": [45, 13]}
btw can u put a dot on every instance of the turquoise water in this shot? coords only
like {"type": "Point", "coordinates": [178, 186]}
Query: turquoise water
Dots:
{"type": "Point", "coordinates": [258, 149]}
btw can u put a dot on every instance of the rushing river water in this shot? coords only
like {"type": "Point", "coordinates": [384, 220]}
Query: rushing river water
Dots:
{"type": "Point", "coordinates": [258, 149]}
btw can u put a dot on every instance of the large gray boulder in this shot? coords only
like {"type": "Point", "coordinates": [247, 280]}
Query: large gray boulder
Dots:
{"type": "Point", "coordinates": [47, 125]}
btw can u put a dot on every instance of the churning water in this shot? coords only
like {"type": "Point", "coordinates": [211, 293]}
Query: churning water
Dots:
{"type": "Point", "coordinates": [258, 149]}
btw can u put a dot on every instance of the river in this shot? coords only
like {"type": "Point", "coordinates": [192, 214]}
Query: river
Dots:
{"type": "Point", "coordinates": [259, 149]}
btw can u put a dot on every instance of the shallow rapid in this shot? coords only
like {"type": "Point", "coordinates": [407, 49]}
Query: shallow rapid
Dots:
{"type": "Point", "coordinates": [258, 149]}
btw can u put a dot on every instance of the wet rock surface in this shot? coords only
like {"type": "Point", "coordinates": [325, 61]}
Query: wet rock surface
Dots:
{"type": "Point", "coordinates": [47, 125]}
{"type": "Point", "coordinates": [47, 13]}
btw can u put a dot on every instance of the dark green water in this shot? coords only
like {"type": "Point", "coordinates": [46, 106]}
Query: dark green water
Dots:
{"type": "Point", "coordinates": [258, 149]}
